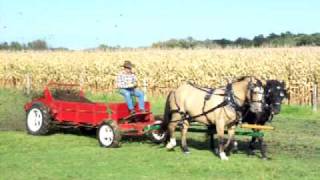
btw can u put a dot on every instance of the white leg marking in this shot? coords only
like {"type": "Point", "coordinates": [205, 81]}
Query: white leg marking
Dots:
{"type": "Point", "coordinates": [223, 156]}
{"type": "Point", "coordinates": [172, 143]}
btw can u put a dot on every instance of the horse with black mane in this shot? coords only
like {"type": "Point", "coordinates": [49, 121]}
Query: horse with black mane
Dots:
{"type": "Point", "coordinates": [221, 107]}
{"type": "Point", "coordinates": [275, 92]}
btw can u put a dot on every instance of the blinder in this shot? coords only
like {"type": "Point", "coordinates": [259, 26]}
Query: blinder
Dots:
{"type": "Point", "coordinates": [252, 87]}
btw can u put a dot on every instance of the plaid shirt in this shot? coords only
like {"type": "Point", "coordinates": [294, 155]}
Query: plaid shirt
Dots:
{"type": "Point", "coordinates": [125, 80]}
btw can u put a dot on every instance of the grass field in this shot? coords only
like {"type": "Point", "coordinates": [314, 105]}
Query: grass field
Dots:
{"type": "Point", "coordinates": [294, 148]}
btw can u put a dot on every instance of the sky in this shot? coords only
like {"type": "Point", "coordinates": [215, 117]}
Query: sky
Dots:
{"type": "Point", "coordinates": [80, 24]}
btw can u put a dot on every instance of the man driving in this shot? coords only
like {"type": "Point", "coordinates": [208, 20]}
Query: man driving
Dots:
{"type": "Point", "coordinates": [126, 82]}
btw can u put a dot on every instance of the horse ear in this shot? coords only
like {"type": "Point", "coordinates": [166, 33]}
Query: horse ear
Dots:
{"type": "Point", "coordinates": [252, 79]}
{"type": "Point", "coordinates": [264, 82]}
{"type": "Point", "coordinates": [228, 80]}
{"type": "Point", "coordinates": [286, 94]}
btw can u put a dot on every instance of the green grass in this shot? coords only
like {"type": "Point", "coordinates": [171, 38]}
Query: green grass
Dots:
{"type": "Point", "coordinates": [12, 114]}
{"type": "Point", "coordinates": [294, 148]}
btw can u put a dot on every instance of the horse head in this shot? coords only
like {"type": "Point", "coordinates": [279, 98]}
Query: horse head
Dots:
{"type": "Point", "coordinates": [275, 92]}
{"type": "Point", "coordinates": [251, 91]}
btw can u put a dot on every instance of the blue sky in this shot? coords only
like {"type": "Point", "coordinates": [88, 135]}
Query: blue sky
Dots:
{"type": "Point", "coordinates": [79, 24]}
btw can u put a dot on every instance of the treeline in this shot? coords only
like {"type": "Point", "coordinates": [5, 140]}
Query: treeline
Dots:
{"type": "Point", "coordinates": [286, 39]}
{"type": "Point", "coordinates": [33, 45]}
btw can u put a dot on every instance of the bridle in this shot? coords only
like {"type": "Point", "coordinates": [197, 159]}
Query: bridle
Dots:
{"type": "Point", "coordinates": [251, 88]}
{"type": "Point", "coordinates": [273, 98]}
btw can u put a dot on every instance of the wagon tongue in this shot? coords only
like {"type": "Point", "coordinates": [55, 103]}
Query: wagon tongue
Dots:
{"type": "Point", "coordinates": [152, 127]}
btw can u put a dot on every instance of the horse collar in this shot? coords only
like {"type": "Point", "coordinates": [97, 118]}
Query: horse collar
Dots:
{"type": "Point", "coordinates": [231, 98]}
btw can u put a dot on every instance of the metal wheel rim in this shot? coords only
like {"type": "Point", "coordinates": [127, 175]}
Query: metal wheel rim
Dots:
{"type": "Point", "coordinates": [34, 120]}
{"type": "Point", "coordinates": [158, 136]}
{"type": "Point", "coordinates": [106, 135]}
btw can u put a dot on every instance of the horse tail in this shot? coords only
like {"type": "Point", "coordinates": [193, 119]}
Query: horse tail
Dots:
{"type": "Point", "coordinates": [167, 114]}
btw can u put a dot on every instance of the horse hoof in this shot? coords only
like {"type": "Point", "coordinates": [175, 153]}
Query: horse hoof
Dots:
{"type": "Point", "coordinates": [225, 159]}
{"type": "Point", "coordinates": [169, 146]}
{"type": "Point", "coordinates": [172, 143]}
{"type": "Point", "coordinates": [223, 156]}
{"type": "Point", "coordinates": [251, 153]}
{"type": "Point", "coordinates": [186, 152]}
{"type": "Point", "coordinates": [170, 149]}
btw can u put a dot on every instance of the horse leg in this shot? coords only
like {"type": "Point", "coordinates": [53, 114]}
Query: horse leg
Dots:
{"type": "Point", "coordinates": [172, 142]}
{"type": "Point", "coordinates": [251, 146]}
{"type": "Point", "coordinates": [263, 148]}
{"type": "Point", "coordinates": [211, 132]}
{"type": "Point", "coordinates": [220, 133]}
{"type": "Point", "coordinates": [172, 128]}
{"type": "Point", "coordinates": [184, 131]}
{"type": "Point", "coordinates": [231, 132]}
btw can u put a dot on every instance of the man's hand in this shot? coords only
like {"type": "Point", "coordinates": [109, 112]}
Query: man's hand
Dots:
{"type": "Point", "coordinates": [132, 85]}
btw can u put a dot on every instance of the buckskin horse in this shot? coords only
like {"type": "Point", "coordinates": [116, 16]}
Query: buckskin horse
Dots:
{"type": "Point", "coordinates": [221, 107]}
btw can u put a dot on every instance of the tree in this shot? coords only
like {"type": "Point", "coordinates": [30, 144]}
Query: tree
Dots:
{"type": "Point", "coordinates": [258, 40]}
{"type": "Point", "coordinates": [272, 36]}
{"type": "Point", "coordinates": [306, 40]}
{"type": "Point", "coordinates": [273, 39]}
{"type": "Point", "coordinates": [243, 42]}
{"type": "Point", "coordinates": [223, 42]}
{"type": "Point", "coordinates": [191, 42]}
{"type": "Point", "coordinates": [103, 47]}
{"type": "Point", "coordinates": [16, 46]}
{"type": "Point", "coordinates": [38, 45]}
{"type": "Point", "coordinates": [4, 46]}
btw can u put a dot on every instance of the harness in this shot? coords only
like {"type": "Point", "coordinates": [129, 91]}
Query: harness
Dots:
{"type": "Point", "coordinates": [229, 100]}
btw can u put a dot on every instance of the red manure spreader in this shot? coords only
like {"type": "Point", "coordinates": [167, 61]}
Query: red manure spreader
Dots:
{"type": "Point", "coordinates": [61, 106]}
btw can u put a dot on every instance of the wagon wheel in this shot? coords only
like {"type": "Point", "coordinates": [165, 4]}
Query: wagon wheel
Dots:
{"type": "Point", "coordinates": [38, 119]}
{"type": "Point", "coordinates": [108, 134]}
{"type": "Point", "coordinates": [156, 135]}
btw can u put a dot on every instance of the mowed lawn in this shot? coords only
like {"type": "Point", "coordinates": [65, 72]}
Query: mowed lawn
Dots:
{"type": "Point", "coordinates": [294, 148]}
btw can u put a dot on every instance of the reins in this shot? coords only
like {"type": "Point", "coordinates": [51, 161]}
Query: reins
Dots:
{"type": "Point", "coordinates": [205, 89]}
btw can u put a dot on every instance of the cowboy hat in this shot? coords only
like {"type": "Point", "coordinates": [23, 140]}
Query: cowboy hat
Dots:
{"type": "Point", "coordinates": [128, 64]}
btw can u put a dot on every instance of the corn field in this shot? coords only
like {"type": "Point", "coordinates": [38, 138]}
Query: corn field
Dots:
{"type": "Point", "coordinates": [165, 69]}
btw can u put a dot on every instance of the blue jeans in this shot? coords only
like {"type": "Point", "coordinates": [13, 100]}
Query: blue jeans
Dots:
{"type": "Point", "coordinates": [128, 93]}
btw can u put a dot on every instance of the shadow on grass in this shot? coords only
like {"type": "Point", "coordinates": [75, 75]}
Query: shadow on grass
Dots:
{"type": "Point", "coordinates": [201, 144]}
{"type": "Point", "coordinates": [91, 133]}
{"type": "Point", "coordinates": [74, 131]}
{"type": "Point", "coordinates": [205, 145]}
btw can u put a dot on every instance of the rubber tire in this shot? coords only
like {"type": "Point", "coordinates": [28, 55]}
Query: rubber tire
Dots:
{"type": "Point", "coordinates": [151, 136]}
{"type": "Point", "coordinates": [116, 134]}
{"type": "Point", "coordinates": [46, 120]}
